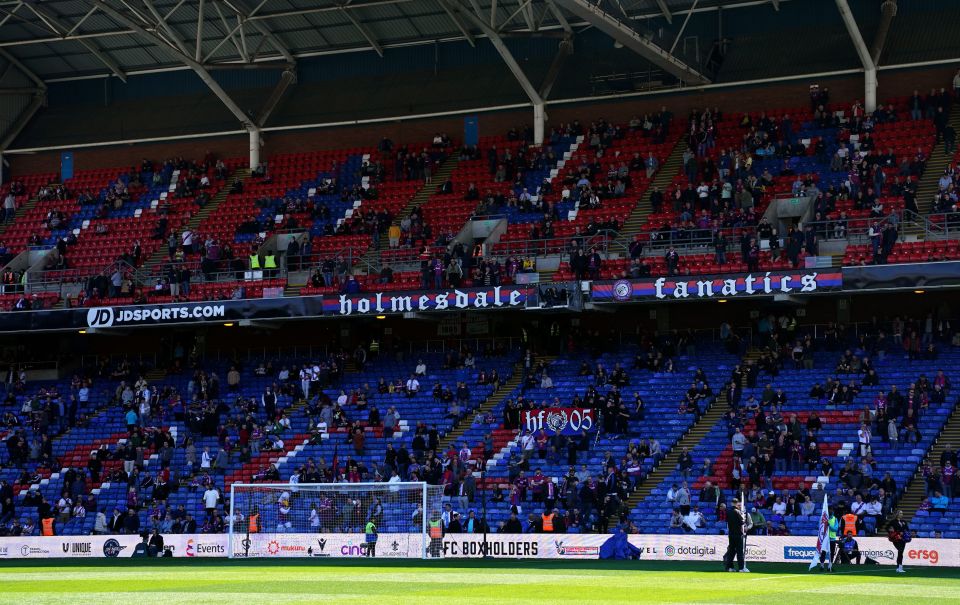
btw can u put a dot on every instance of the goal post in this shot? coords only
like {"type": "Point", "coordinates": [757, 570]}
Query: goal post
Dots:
{"type": "Point", "coordinates": [332, 520]}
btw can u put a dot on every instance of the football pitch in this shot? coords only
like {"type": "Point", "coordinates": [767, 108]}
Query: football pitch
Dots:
{"type": "Point", "coordinates": [249, 582]}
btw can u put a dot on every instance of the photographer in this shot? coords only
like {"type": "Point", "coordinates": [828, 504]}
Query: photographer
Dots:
{"type": "Point", "coordinates": [849, 550]}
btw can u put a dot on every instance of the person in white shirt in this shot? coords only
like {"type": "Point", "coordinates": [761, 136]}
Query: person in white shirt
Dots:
{"type": "Point", "coordinates": [413, 386]}
{"type": "Point", "coordinates": [527, 443]}
{"type": "Point", "coordinates": [858, 507]}
{"type": "Point", "coordinates": [693, 520]}
{"type": "Point", "coordinates": [421, 369]}
{"type": "Point", "coordinates": [546, 382]}
{"type": "Point", "coordinates": [206, 459]}
{"type": "Point", "coordinates": [79, 511]}
{"type": "Point", "coordinates": [305, 381]}
{"type": "Point", "coordinates": [210, 499]}
{"type": "Point", "coordinates": [863, 436]}
{"type": "Point", "coordinates": [100, 524]}
{"type": "Point", "coordinates": [342, 399]}
{"type": "Point", "coordinates": [672, 493]}
{"type": "Point", "coordinates": [394, 478]}
{"type": "Point", "coordinates": [779, 506]}
{"type": "Point", "coordinates": [64, 508]}
{"type": "Point", "coordinates": [187, 240]}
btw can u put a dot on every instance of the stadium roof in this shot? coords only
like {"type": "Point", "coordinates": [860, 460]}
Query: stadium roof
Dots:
{"type": "Point", "coordinates": [56, 39]}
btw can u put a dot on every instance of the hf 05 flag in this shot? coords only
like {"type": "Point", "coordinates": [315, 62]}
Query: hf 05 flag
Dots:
{"type": "Point", "coordinates": [823, 537]}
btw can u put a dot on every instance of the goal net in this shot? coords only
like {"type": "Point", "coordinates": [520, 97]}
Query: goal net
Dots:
{"type": "Point", "coordinates": [332, 520]}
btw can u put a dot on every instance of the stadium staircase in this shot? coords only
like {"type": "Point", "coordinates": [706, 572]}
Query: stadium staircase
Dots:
{"type": "Point", "coordinates": [689, 441]}
{"type": "Point", "coordinates": [372, 256]}
{"type": "Point", "coordinates": [915, 491]}
{"type": "Point", "coordinates": [456, 434]}
{"type": "Point", "coordinates": [937, 161]}
{"type": "Point", "coordinates": [194, 223]}
{"type": "Point", "coordinates": [662, 179]}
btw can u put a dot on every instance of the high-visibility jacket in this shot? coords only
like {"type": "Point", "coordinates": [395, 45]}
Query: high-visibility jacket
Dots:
{"type": "Point", "coordinates": [371, 532]}
{"type": "Point", "coordinates": [253, 523]}
{"type": "Point", "coordinates": [547, 521]}
{"type": "Point", "coordinates": [436, 529]}
{"type": "Point", "coordinates": [254, 261]}
{"type": "Point", "coordinates": [46, 527]}
{"type": "Point", "coordinates": [850, 524]}
{"type": "Point", "coordinates": [833, 525]}
{"type": "Point", "coordinates": [270, 261]}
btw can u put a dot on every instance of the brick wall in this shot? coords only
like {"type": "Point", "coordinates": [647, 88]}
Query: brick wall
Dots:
{"type": "Point", "coordinates": [743, 98]}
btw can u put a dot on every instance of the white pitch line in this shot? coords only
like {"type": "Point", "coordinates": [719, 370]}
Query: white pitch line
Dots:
{"type": "Point", "coordinates": [832, 573]}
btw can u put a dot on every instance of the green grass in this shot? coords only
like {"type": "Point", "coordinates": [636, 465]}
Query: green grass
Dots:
{"type": "Point", "coordinates": [278, 582]}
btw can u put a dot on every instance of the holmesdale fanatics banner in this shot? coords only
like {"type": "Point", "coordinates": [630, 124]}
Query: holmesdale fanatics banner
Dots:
{"type": "Point", "coordinates": [704, 287]}
{"type": "Point", "coordinates": [558, 421]}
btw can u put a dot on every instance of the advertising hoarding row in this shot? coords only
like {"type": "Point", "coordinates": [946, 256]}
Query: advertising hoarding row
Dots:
{"type": "Point", "coordinates": [653, 547]}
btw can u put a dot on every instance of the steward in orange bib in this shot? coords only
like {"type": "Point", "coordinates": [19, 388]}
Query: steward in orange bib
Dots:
{"type": "Point", "coordinates": [849, 524]}
{"type": "Point", "coordinates": [547, 522]}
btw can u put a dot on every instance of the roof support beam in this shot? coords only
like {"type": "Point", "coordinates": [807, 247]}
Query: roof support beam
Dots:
{"type": "Point", "coordinates": [22, 120]}
{"type": "Point", "coordinates": [236, 65]}
{"type": "Point", "coordinates": [776, 5]}
{"type": "Point", "coordinates": [869, 67]}
{"type": "Point", "coordinates": [23, 90]}
{"type": "Point", "coordinates": [666, 11]}
{"type": "Point", "coordinates": [174, 36]}
{"type": "Point", "coordinates": [559, 16]}
{"type": "Point", "coordinates": [459, 23]}
{"type": "Point", "coordinates": [888, 10]}
{"type": "Point", "coordinates": [564, 51]}
{"type": "Point", "coordinates": [539, 113]}
{"type": "Point", "coordinates": [77, 25]}
{"type": "Point", "coordinates": [625, 35]}
{"type": "Point", "coordinates": [39, 99]}
{"type": "Point", "coordinates": [233, 32]}
{"type": "Point", "coordinates": [200, 20]}
{"type": "Point", "coordinates": [57, 26]}
{"type": "Point", "coordinates": [287, 78]}
{"type": "Point", "coordinates": [365, 32]}
{"type": "Point", "coordinates": [507, 57]}
{"type": "Point", "coordinates": [23, 69]}
{"type": "Point", "coordinates": [249, 16]}
{"type": "Point", "coordinates": [683, 27]}
{"type": "Point", "coordinates": [184, 58]}
{"type": "Point", "coordinates": [322, 9]}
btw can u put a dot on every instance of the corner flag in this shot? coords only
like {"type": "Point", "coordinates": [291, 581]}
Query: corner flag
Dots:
{"type": "Point", "coordinates": [823, 537]}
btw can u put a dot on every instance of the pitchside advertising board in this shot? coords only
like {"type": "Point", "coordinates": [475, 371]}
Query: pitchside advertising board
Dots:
{"type": "Point", "coordinates": [110, 547]}
{"type": "Point", "coordinates": [687, 547]}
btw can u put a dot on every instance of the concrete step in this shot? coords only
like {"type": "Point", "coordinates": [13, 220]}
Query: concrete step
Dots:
{"type": "Point", "coordinates": [497, 397]}
{"type": "Point", "coordinates": [160, 254]}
